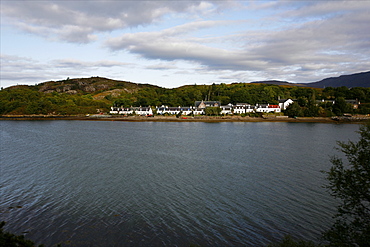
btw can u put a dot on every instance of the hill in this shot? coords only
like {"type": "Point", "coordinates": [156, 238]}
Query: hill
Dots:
{"type": "Point", "coordinates": [98, 94]}
{"type": "Point", "coordinates": [354, 80]}
{"type": "Point", "coordinates": [280, 83]}
{"type": "Point", "coordinates": [96, 85]}
{"type": "Point", "coordinates": [91, 85]}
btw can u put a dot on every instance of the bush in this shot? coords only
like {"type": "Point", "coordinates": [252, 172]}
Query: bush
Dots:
{"type": "Point", "coordinates": [11, 240]}
{"type": "Point", "coordinates": [350, 183]}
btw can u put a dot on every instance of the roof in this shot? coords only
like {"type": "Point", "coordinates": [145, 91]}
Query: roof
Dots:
{"type": "Point", "coordinates": [207, 103]}
{"type": "Point", "coordinates": [283, 100]}
{"type": "Point", "coordinates": [352, 101]}
{"type": "Point", "coordinates": [141, 108]}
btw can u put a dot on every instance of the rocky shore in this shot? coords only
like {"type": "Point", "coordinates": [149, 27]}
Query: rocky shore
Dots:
{"type": "Point", "coordinates": [354, 119]}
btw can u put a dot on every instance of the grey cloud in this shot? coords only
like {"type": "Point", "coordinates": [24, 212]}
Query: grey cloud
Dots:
{"type": "Point", "coordinates": [78, 21]}
{"type": "Point", "coordinates": [23, 70]}
{"type": "Point", "coordinates": [78, 64]}
{"type": "Point", "coordinates": [26, 70]}
{"type": "Point", "coordinates": [338, 41]}
{"type": "Point", "coordinates": [19, 64]}
{"type": "Point", "coordinates": [25, 77]}
{"type": "Point", "coordinates": [323, 8]}
{"type": "Point", "coordinates": [162, 66]}
{"type": "Point", "coordinates": [172, 44]}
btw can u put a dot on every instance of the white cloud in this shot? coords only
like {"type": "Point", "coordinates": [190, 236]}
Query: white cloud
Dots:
{"type": "Point", "coordinates": [23, 69]}
{"type": "Point", "coordinates": [174, 44]}
{"type": "Point", "coordinates": [162, 66]}
{"type": "Point", "coordinates": [79, 21]}
{"type": "Point", "coordinates": [78, 64]}
{"type": "Point", "coordinates": [299, 41]}
{"type": "Point", "coordinates": [337, 41]}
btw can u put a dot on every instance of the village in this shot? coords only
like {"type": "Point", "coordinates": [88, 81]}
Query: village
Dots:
{"type": "Point", "coordinates": [200, 106]}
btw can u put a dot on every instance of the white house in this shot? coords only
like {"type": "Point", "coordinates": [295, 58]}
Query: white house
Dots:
{"type": "Point", "coordinates": [274, 108]}
{"type": "Point", "coordinates": [143, 111]}
{"type": "Point", "coordinates": [284, 103]}
{"type": "Point", "coordinates": [241, 108]}
{"type": "Point", "coordinates": [267, 108]}
{"type": "Point", "coordinates": [126, 111]}
{"type": "Point", "coordinates": [121, 110]}
{"type": "Point", "coordinates": [186, 110]}
{"type": "Point", "coordinates": [114, 110]}
{"type": "Point", "coordinates": [262, 108]}
{"type": "Point", "coordinates": [198, 111]}
{"type": "Point", "coordinates": [227, 109]}
{"type": "Point", "coordinates": [168, 110]}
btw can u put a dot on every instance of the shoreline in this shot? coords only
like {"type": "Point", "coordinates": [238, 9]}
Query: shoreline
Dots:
{"type": "Point", "coordinates": [209, 119]}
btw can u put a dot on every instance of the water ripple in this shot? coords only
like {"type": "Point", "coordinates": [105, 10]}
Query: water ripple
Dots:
{"type": "Point", "coordinates": [165, 184]}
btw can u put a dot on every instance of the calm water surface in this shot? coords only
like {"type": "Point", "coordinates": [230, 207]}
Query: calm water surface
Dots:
{"type": "Point", "coordinates": [166, 184]}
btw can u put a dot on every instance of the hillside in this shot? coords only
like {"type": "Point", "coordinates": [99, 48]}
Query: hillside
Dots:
{"type": "Point", "coordinates": [96, 85]}
{"type": "Point", "coordinates": [97, 94]}
{"type": "Point", "coordinates": [280, 83]}
{"type": "Point", "coordinates": [91, 85]}
{"type": "Point", "coordinates": [354, 80]}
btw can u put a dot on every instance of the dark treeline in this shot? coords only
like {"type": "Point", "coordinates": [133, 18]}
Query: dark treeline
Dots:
{"type": "Point", "coordinates": [30, 100]}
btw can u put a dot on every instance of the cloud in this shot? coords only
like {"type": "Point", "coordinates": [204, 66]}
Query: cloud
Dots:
{"type": "Point", "coordinates": [174, 44]}
{"type": "Point", "coordinates": [335, 42]}
{"type": "Point", "coordinates": [162, 66]}
{"type": "Point", "coordinates": [79, 21]}
{"type": "Point", "coordinates": [323, 9]}
{"type": "Point", "coordinates": [290, 40]}
{"type": "Point", "coordinates": [23, 69]}
{"type": "Point", "coordinates": [78, 64]}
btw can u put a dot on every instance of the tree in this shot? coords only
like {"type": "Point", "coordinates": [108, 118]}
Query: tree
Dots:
{"type": "Point", "coordinates": [294, 110]}
{"type": "Point", "coordinates": [350, 183]}
{"type": "Point", "coordinates": [312, 110]}
{"type": "Point", "coordinates": [11, 240]}
{"type": "Point", "coordinates": [212, 111]}
{"type": "Point", "coordinates": [341, 106]}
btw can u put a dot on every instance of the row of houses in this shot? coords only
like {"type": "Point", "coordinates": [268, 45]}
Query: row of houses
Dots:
{"type": "Point", "coordinates": [200, 106]}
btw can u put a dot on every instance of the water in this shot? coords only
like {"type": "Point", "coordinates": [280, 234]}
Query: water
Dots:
{"type": "Point", "coordinates": [106, 183]}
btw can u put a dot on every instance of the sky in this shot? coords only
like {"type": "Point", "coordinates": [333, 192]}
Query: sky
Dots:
{"type": "Point", "coordinates": [174, 43]}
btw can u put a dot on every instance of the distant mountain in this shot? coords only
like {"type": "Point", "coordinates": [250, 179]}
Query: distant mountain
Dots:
{"type": "Point", "coordinates": [101, 86]}
{"type": "Point", "coordinates": [354, 80]}
{"type": "Point", "coordinates": [280, 83]}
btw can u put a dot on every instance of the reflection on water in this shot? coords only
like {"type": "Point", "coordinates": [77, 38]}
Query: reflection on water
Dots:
{"type": "Point", "coordinates": [166, 184]}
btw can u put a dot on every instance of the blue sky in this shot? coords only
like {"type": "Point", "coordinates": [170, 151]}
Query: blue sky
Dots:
{"type": "Point", "coordinates": [175, 43]}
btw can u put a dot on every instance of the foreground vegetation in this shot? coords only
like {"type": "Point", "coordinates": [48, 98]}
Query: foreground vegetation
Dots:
{"type": "Point", "coordinates": [349, 182]}
{"type": "Point", "coordinates": [92, 95]}
{"type": "Point", "coordinates": [8, 239]}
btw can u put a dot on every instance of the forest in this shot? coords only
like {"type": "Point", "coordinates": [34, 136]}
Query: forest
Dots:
{"type": "Point", "coordinates": [91, 96]}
